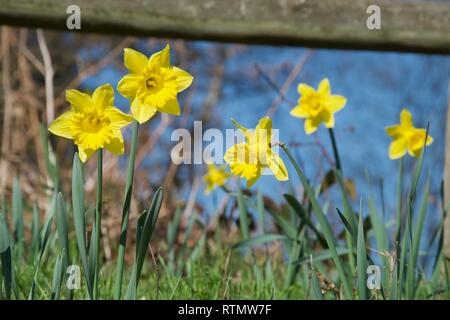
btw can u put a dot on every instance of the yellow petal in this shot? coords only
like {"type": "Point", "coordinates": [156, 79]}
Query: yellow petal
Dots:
{"type": "Point", "coordinates": [134, 61]}
{"type": "Point", "coordinates": [252, 181]}
{"type": "Point", "coordinates": [160, 59]}
{"type": "Point", "coordinates": [299, 112]}
{"type": "Point", "coordinates": [103, 96]}
{"type": "Point", "coordinates": [78, 100]}
{"type": "Point", "coordinates": [263, 132]}
{"type": "Point", "coordinates": [118, 118]}
{"type": "Point", "coordinates": [336, 103]}
{"type": "Point", "coordinates": [393, 131]}
{"type": "Point", "coordinates": [116, 144]}
{"type": "Point", "coordinates": [61, 126]}
{"type": "Point", "coordinates": [416, 142]}
{"type": "Point", "coordinates": [244, 130]}
{"type": "Point", "coordinates": [429, 140]}
{"type": "Point", "coordinates": [277, 166]}
{"type": "Point", "coordinates": [264, 124]}
{"type": "Point", "coordinates": [324, 87]}
{"type": "Point", "coordinates": [183, 79]}
{"type": "Point", "coordinates": [328, 119]}
{"type": "Point", "coordinates": [85, 154]}
{"type": "Point", "coordinates": [311, 125]}
{"type": "Point", "coordinates": [406, 118]}
{"type": "Point", "coordinates": [305, 90]}
{"type": "Point", "coordinates": [397, 148]}
{"type": "Point", "coordinates": [171, 107]}
{"type": "Point", "coordinates": [141, 112]}
{"type": "Point", "coordinates": [129, 85]}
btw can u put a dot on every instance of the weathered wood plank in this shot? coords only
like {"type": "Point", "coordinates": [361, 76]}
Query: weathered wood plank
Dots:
{"type": "Point", "coordinates": [406, 26]}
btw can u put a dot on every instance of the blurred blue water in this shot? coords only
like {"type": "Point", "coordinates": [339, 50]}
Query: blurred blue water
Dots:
{"type": "Point", "coordinates": [377, 86]}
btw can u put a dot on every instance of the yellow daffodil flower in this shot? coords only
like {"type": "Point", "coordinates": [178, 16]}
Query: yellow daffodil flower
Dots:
{"type": "Point", "coordinates": [248, 159]}
{"type": "Point", "coordinates": [215, 177]}
{"type": "Point", "coordinates": [152, 84]}
{"type": "Point", "coordinates": [317, 106]}
{"type": "Point", "coordinates": [406, 137]}
{"type": "Point", "coordinates": [92, 122]}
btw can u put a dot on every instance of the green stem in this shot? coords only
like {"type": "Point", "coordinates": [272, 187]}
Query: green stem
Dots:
{"type": "Point", "coordinates": [399, 200]}
{"type": "Point", "coordinates": [348, 236]}
{"type": "Point", "coordinates": [98, 220]}
{"type": "Point", "coordinates": [337, 159]}
{"type": "Point", "coordinates": [326, 228]}
{"type": "Point", "coordinates": [126, 213]}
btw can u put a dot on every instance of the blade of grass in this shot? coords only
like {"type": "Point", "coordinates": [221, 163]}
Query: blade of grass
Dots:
{"type": "Point", "coordinates": [420, 221]}
{"type": "Point", "coordinates": [44, 236]}
{"type": "Point", "coordinates": [145, 232]}
{"type": "Point", "coordinates": [298, 208]}
{"type": "Point", "coordinates": [315, 285]}
{"type": "Point", "coordinates": [331, 241]}
{"type": "Point", "coordinates": [98, 220]}
{"type": "Point", "coordinates": [79, 219]}
{"type": "Point", "coordinates": [259, 240]}
{"type": "Point", "coordinates": [35, 236]}
{"type": "Point", "coordinates": [5, 256]}
{"type": "Point", "coordinates": [261, 211]}
{"type": "Point", "coordinates": [62, 227]}
{"type": "Point", "coordinates": [126, 212]}
{"type": "Point", "coordinates": [17, 212]}
{"type": "Point", "coordinates": [57, 277]}
{"type": "Point", "coordinates": [243, 215]}
{"type": "Point", "coordinates": [361, 257]}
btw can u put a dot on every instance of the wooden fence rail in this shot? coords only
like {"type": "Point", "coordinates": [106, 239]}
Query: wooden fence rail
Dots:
{"type": "Point", "coordinates": [419, 26]}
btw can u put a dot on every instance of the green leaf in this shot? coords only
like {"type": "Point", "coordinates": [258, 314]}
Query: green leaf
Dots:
{"type": "Point", "coordinates": [5, 241]}
{"type": "Point", "coordinates": [243, 215]}
{"type": "Point", "coordinates": [361, 258]}
{"type": "Point", "coordinates": [147, 223]}
{"type": "Point", "coordinates": [347, 224]}
{"type": "Point", "coordinates": [35, 225]}
{"type": "Point", "coordinates": [288, 229]}
{"type": "Point", "coordinates": [147, 232]}
{"type": "Point", "coordinates": [62, 226]}
{"type": "Point", "coordinates": [259, 240]}
{"type": "Point", "coordinates": [323, 255]}
{"type": "Point", "coordinates": [298, 208]}
{"type": "Point", "coordinates": [261, 211]}
{"type": "Point", "coordinates": [44, 236]}
{"type": "Point", "coordinates": [173, 227]}
{"type": "Point", "coordinates": [315, 286]}
{"type": "Point", "coordinates": [79, 219]}
{"type": "Point", "coordinates": [57, 278]}
{"type": "Point", "coordinates": [17, 211]}
{"type": "Point", "coordinates": [126, 213]}
{"type": "Point", "coordinates": [7, 271]}
{"type": "Point", "coordinates": [325, 226]}
{"type": "Point", "coordinates": [420, 221]}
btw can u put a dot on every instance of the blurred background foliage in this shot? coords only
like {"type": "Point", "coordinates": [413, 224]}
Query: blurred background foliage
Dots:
{"type": "Point", "coordinates": [239, 81]}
